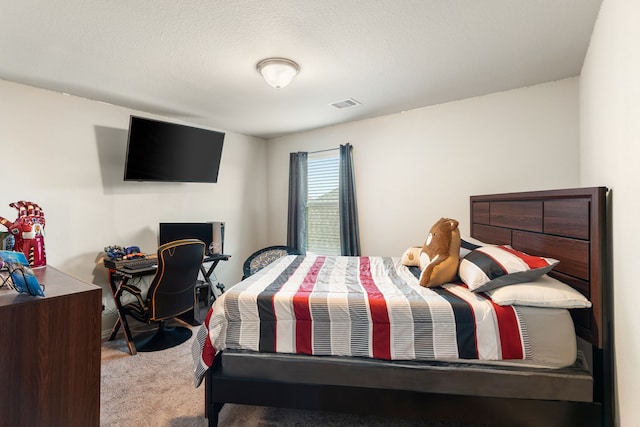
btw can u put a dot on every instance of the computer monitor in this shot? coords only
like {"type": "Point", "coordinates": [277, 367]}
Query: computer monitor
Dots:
{"type": "Point", "coordinates": [211, 233]}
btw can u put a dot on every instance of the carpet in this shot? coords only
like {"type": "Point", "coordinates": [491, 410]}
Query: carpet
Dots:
{"type": "Point", "coordinates": [156, 389]}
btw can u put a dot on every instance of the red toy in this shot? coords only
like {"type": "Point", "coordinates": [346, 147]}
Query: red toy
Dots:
{"type": "Point", "coordinates": [28, 231]}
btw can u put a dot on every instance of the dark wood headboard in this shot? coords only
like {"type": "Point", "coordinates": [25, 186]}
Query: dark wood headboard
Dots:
{"type": "Point", "coordinates": [568, 225]}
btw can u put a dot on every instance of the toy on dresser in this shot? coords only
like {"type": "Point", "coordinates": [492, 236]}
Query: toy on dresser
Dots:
{"type": "Point", "coordinates": [18, 274]}
{"type": "Point", "coordinates": [28, 232]}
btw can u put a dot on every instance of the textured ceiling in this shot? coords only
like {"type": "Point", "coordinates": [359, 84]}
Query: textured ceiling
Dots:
{"type": "Point", "coordinates": [194, 60]}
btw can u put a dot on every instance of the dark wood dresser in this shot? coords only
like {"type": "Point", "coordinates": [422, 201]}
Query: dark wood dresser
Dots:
{"type": "Point", "coordinates": [50, 353]}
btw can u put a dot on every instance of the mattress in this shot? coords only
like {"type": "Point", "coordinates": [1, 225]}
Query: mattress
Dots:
{"type": "Point", "coordinates": [552, 339]}
{"type": "Point", "coordinates": [373, 307]}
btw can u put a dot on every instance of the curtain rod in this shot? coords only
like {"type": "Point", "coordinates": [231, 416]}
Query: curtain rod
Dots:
{"type": "Point", "coordinates": [322, 151]}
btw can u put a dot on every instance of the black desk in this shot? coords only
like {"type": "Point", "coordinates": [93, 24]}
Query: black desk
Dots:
{"type": "Point", "coordinates": [207, 273]}
{"type": "Point", "coordinates": [119, 276]}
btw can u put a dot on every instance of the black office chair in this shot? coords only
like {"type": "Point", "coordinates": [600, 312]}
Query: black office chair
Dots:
{"type": "Point", "coordinates": [260, 259]}
{"type": "Point", "coordinates": [170, 294]}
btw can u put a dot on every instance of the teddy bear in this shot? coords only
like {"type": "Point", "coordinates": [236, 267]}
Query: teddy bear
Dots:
{"type": "Point", "coordinates": [440, 255]}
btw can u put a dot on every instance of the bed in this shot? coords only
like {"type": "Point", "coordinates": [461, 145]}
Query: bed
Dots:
{"type": "Point", "coordinates": [510, 382]}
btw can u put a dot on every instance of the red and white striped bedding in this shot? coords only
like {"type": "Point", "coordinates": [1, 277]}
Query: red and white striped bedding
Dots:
{"type": "Point", "coordinates": [357, 306]}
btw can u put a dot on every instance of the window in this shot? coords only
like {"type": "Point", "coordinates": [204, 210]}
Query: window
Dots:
{"type": "Point", "coordinates": [322, 214]}
{"type": "Point", "coordinates": [323, 210]}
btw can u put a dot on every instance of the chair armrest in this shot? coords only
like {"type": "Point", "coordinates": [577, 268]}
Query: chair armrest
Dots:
{"type": "Point", "coordinates": [133, 290]}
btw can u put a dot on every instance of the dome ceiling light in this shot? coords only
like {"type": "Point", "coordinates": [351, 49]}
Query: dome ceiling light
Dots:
{"type": "Point", "coordinates": [278, 72]}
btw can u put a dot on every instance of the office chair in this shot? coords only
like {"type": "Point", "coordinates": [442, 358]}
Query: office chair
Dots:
{"type": "Point", "coordinates": [170, 294]}
{"type": "Point", "coordinates": [265, 256]}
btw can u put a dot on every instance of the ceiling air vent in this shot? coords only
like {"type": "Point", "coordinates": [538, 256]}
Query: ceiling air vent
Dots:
{"type": "Point", "coordinates": [347, 103]}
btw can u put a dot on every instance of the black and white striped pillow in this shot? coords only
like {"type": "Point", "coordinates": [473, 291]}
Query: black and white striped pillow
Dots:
{"type": "Point", "coordinates": [467, 244]}
{"type": "Point", "coordinates": [490, 267]}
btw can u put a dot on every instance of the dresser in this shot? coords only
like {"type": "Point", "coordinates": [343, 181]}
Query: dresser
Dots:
{"type": "Point", "coordinates": [50, 353]}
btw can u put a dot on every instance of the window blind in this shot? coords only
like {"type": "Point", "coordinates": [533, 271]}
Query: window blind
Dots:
{"type": "Point", "coordinates": [323, 215]}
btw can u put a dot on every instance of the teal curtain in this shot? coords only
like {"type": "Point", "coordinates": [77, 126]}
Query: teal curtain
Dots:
{"type": "Point", "coordinates": [349, 229]}
{"type": "Point", "coordinates": [297, 212]}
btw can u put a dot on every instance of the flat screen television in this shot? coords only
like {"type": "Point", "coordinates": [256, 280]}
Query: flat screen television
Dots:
{"type": "Point", "coordinates": [170, 152]}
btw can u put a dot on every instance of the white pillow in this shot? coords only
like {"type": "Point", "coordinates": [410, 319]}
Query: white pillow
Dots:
{"type": "Point", "coordinates": [543, 292]}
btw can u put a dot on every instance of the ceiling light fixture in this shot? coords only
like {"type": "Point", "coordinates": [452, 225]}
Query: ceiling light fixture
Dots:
{"type": "Point", "coordinates": [278, 72]}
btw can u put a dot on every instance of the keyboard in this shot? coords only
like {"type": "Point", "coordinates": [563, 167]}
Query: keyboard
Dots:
{"type": "Point", "coordinates": [139, 264]}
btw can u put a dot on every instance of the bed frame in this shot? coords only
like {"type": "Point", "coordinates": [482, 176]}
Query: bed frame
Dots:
{"type": "Point", "coordinates": [569, 225]}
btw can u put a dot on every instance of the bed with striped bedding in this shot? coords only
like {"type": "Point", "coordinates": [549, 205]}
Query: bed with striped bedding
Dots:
{"type": "Point", "coordinates": [547, 386]}
{"type": "Point", "coordinates": [370, 307]}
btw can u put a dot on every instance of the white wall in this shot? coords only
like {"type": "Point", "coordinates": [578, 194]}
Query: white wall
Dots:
{"type": "Point", "coordinates": [610, 149]}
{"type": "Point", "coordinates": [67, 155]}
{"type": "Point", "coordinates": [415, 167]}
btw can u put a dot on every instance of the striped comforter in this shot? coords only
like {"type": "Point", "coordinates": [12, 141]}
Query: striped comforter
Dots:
{"type": "Point", "coordinates": [356, 306]}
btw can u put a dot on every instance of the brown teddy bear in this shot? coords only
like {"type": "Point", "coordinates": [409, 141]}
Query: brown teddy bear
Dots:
{"type": "Point", "coordinates": [440, 254]}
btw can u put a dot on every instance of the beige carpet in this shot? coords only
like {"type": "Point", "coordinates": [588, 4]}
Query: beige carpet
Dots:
{"type": "Point", "coordinates": [149, 389]}
{"type": "Point", "coordinates": [156, 389]}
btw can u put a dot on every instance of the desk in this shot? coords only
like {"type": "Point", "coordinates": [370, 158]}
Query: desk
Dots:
{"type": "Point", "coordinates": [50, 353]}
{"type": "Point", "coordinates": [119, 276]}
{"type": "Point", "coordinates": [207, 273]}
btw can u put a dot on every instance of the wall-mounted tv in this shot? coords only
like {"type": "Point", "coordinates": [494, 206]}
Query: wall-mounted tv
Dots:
{"type": "Point", "coordinates": [170, 152]}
